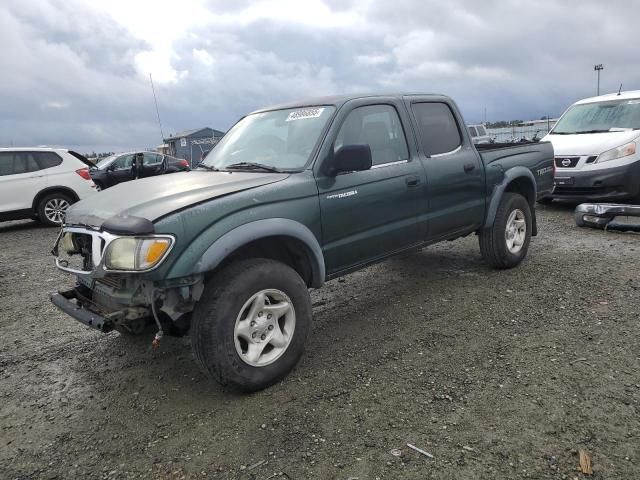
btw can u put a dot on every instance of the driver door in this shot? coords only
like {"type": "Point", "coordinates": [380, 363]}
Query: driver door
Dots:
{"type": "Point", "coordinates": [368, 215]}
{"type": "Point", "coordinates": [121, 169]}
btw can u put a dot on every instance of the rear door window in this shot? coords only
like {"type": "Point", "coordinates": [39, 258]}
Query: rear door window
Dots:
{"type": "Point", "coordinates": [438, 128]}
{"type": "Point", "coordinates": [14, 163]}
{"type": "Point", "coordinates": [151, 159]}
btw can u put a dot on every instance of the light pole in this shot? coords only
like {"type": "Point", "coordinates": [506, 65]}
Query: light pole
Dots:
{"type": "Point", "coordinates": [597, 68]}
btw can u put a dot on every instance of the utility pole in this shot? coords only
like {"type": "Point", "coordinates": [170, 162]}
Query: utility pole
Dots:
{"type": "Point", "coordinates": [598, 68]}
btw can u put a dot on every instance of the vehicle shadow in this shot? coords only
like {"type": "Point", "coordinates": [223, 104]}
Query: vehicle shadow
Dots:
{"type": "Point", "coordinates": [18, 225]}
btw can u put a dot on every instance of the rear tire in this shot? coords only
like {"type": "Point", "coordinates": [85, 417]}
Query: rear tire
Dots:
{"type": "Point", "coordinates": [52, 208]}
{"type": "Point", "coordinates": [249, 328]}
{"type": "Point", "coordinates": [506, 243]}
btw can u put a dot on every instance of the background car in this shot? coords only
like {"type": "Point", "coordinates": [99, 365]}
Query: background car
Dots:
{"type": "Point", "coordinates": [120, 168]}
{"type": "Point", "coordinates": [479, 134]}
{"type": "Point", "coordinates": [41, 183]}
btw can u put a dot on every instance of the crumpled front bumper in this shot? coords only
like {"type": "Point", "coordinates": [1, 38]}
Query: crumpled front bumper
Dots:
{"type": "Point", "coordinates": [604, 216]}
{"type": "Point", "coordinates": [64, 300]}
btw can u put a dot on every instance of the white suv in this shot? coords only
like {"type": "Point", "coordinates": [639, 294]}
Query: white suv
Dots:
{"type": "Point", "coordinates": [41, 183]}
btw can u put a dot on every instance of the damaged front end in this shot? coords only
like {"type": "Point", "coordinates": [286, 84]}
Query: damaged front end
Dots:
{"type": "Point", "coordinates": [112, 290]}
{"type": "Point", "coordinates": [608, 216]}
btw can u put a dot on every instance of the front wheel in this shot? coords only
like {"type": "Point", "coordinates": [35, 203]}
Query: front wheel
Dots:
{"type": "Point", "coordinates": [506, 242]}
{"type": "Point", "coordinates": [248, 329]}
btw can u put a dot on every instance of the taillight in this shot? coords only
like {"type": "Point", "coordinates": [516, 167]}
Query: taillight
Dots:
{"type": "Point", "coordinates": [84, 173]}
{"type": "Point", "coordinates": [183, 163]}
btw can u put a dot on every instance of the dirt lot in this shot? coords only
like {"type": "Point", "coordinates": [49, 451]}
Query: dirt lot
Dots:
{"type": "Point", "coordinates": [497, 374]}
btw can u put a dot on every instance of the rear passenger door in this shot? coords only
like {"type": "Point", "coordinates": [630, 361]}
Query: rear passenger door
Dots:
{"type": "Point", "coordinates": [367, 215]}
{"type": "Point", "coordinates": [151, 164]}
{"type": "Point", "coordinates": [20, 180]}
{"type": "Point", "coordinates": [454, 169]}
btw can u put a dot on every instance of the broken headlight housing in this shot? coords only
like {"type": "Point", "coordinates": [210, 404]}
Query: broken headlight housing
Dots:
{"type": "Point", "coordinates": [137, 254]}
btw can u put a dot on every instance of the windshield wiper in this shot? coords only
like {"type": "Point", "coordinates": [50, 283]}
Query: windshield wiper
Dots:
{"type": "Point", "coordinates": [208, 167]}
{"type": "Point", "coordinates": [252, 166]}
{"type": "Point", "coordinates": [579, 132]}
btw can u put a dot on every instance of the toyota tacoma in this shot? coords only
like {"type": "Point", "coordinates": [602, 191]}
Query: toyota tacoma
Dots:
{"type": "Point", "coordinates": [292, 196]}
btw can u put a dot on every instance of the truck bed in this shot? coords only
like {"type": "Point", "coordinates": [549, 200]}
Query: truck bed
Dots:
{"type": "Point", "coordinates": [535, 156]}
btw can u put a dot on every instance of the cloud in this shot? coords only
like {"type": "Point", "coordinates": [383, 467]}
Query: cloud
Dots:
{"type": "Point", "coordinates": [77, 74]}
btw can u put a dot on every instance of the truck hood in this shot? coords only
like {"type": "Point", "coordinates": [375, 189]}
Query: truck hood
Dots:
{"type": "Point", "coordinates": [155, 197]}
{"type": "Point", "coordinates": [589, 143]}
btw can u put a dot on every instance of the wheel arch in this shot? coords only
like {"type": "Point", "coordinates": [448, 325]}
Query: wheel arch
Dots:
{"type": "Point", "coordinates": [516, 180]}
{"type": "Point", "coordinates": [280, 239]}
{"type": "Point", "coordinates": [53, 189]}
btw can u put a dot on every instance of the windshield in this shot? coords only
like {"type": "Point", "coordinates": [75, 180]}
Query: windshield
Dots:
{"type": "Point", "coordinates": [280, 139]}
{"type": "Point", "coordinates": [600, 117]}
{"type": "Point", "coordinates": [102, 163]}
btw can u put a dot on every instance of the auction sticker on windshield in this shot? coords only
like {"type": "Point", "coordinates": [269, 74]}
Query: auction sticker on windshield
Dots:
{"type": "Point", "coordinates": [305, 113]}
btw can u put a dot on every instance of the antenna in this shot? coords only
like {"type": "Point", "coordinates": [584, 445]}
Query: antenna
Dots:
{"type": "Point", "coordinates": [620, 89]}
{"type": "Point", "coordinates": [157, 111]}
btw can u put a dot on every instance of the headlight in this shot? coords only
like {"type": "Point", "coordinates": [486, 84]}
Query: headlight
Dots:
{"type": "Point", "coordinates": [619, 152]}
{"type": "Point", "coordinates": [136, 253]}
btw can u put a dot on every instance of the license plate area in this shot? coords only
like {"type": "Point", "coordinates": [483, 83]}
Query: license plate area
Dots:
{"type": "Point", "coordinates": [562, 181]}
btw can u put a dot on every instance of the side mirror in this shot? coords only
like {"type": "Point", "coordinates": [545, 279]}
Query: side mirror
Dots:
{"type": "Point", "coordinates": [351, 158]}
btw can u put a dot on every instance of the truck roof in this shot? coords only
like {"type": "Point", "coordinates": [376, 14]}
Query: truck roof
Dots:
{"type": "Point", "coordinates": [611, 96]}
{"type": "Point", "coordinates": [337, 100]}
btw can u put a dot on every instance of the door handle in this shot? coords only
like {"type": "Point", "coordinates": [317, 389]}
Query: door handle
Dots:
{"type": "Point", "coordinates": [468, 167]}
{"type": "Point", "coordinates": [412, 181]}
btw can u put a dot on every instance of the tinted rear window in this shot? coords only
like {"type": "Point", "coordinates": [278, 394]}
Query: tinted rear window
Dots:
{"type": "Point", "coordinates": [47, 159]}
{"type": "Point", "coordinates": [439, 132]}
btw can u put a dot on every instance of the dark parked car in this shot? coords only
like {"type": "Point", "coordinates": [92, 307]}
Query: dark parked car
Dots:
{"type": "Point", "coordinates": [122, 168]}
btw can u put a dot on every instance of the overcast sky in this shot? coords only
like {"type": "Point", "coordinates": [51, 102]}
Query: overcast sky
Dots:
{"type": "Point", "coordinates": [76, 73]}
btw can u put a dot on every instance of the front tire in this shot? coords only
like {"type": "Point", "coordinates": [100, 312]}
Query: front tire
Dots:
{"type": "Point", "coordinates": [52, 209]}
{"type": "Point", "coordinates": [249, 328]}
{"type": "Point", "coordinates": [506, 243]}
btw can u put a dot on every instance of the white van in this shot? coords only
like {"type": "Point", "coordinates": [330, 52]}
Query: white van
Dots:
{"type": "Point", "coordinates": [596, 144]}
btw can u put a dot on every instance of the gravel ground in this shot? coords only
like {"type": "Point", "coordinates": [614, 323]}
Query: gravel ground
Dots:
{"type": "Point", "coordinates": [497, 374]}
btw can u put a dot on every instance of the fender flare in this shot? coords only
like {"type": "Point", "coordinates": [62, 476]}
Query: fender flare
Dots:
{"type": "Point", "coordinates": [247, 233]}
{"type": "Point", "coordinates": [499, 190]}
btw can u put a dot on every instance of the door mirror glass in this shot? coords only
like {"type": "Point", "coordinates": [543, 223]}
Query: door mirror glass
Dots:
{"type": "Point", "coordinates": [351, 158]}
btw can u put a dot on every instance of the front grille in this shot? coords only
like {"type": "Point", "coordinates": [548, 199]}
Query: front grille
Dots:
{"type": "Point", "coordinates": [80, 250]}
{"type": "Point", "coordinates": [567, 162]}
{"type": "Point", "coordinates": [113, 282]}
{"type": "Point", "coordinates": [76, 251]}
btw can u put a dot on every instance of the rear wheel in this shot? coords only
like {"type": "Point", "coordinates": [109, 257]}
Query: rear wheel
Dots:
{"type": "Point", "coordinates": [248, 329]}
{"type": "Point", "coordinates": [506, 243]}
{"type": "Point", "coordinates": [52, 208]}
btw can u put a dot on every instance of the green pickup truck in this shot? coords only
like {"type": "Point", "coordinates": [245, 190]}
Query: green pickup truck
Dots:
{"type": "Point", "coordinates": [292, 196]}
